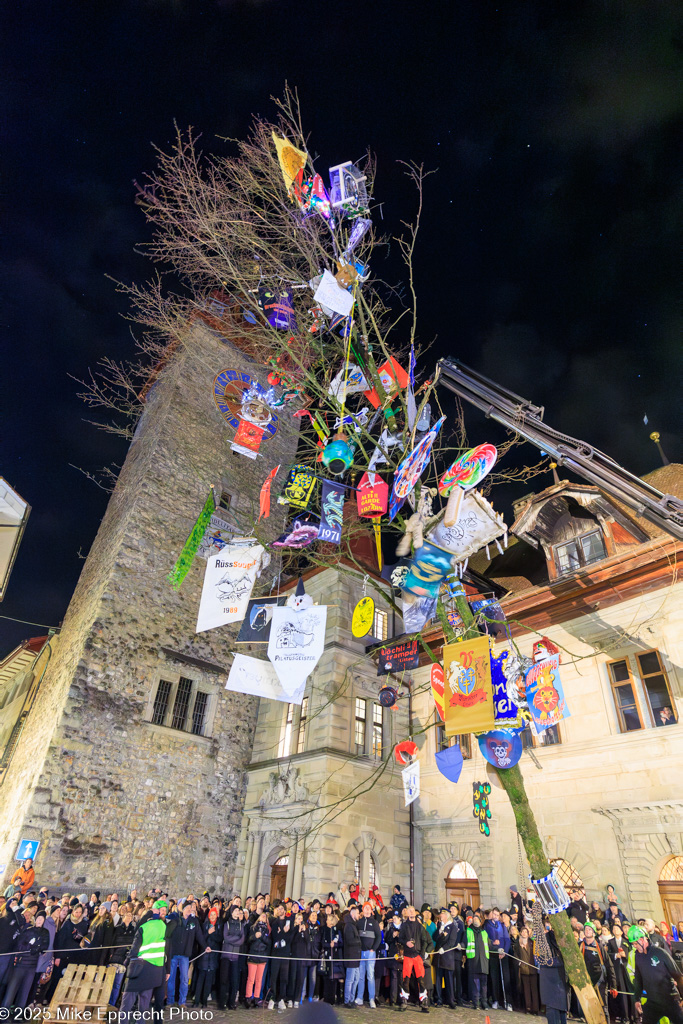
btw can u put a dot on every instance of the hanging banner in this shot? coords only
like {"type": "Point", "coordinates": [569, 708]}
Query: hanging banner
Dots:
{"type": "Point", "coordinates": [449, 762]}
{"type": "Point", "coordinates": [292, 160]}
{"type": "Point", "coordinates": [436, 679]}
{"type": "Point", "coordinates": [264, 494]}
{"type": "Point", "coordinates": [393, 378]}
{"type": "Point", "coordinates": [398, 657]}
{"type": "Point", "coordinates": [298, 487]}
{"type": "Point", "coordinates": [247, 440]}
{"type": "Point", "coordinates": [363, 617]}
{"type": "Point", "coordinates": [255, 628]}
{"type": "Point", "coordinates": [501, 747]}
{"type": "Point", "coordinates": [411, 782]}
{"type": "Point", "coordinates": [217, 534]}
{"type": "Point", "coordinates": [410, 470]}
{"type": "Point", "coordinates": [228, 582]}
{"type": "Point", "coordinates": [296, 644]}
{"type": "Point", "coordinates": [300, 533]}
{"type": "Point", "coordinates": [468, 694]}
{"type": "Point", "coordinates": [182, 566]}
{"type": "Point", "coordinates": [545, 695]}
{"type": "Point", "coordinates": [417, 611]}
{"type": "Point", "coordinates": [259, 678]}
{"type": "Point", "coordinates": [505, 710]}
{"type": "Point", "coordinates": [372, 495]}
{"type": "Point", "coordinates": [481, 791]}
{"type": "Point", "coordinates": [331, 511]}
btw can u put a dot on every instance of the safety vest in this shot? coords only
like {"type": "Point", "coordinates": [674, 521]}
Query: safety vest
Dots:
{"type": "Point", "coordinates": [631, 963]}
{"type": "Point", "coordinates": [153, 945]}
{"type": "Point", "coordinates": [471, 948]}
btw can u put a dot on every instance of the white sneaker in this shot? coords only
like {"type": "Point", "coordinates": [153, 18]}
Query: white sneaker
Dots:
{"type": "Point", "coordinates": [494, 1006]}
{"type": "Point", "coordinates": [359, 1002]}
{"type": "Point", "coordinates": [281, 1005]}
{"type": "Point", "coordinates": [289, 1005]}
{"type": "Point", "coordinates": [316, 999]}
{"type": "Point", "coordinates": [373, 1004]}
{"type": "Point", "coordinates": [296, 1005]}
{"type": "Point", "coordinates": [271, 1004]}
{"type": "Point", "coordinates": [509, 1007]}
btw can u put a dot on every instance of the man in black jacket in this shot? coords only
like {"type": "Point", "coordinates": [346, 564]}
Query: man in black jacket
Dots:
{"type": "Point", "coordinates": [32, 941]}
{"type": "Point", "coordinates": [281, 946]}
{"type": "Point", "coordinates": [370, 941]}
{"type": "Point", "coordinates": [412, 937]}
{"type": "Point", "coordinates": [182, 935]}
{"type": "Point", "coordinates": [392, 929]}
{"type": "Point", "coordinates": [658, 975]}
{"type": "Point", "coordinates": [578, 908]}
{"type": "Point", "coordinates": [351, 955]}
{"type": "Point", "coordinates": [445, 942]}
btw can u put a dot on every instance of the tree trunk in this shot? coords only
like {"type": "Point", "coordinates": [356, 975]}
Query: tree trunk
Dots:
{"type": "Point", "coordinates": [512, 782]}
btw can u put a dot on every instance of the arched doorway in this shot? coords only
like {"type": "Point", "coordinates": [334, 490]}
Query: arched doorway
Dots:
{"type": "Point", "coordinates": [462, 885]}
{"type": "Point", "coordinates": [569, 876]}
{"type": "Point", "coordinates": [670, 885]}
{"type": "Point", "coordinates": [278, 878]}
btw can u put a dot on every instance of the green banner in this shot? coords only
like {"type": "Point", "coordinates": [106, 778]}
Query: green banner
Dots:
{"type": "Point", "coordinates": [182, 566]}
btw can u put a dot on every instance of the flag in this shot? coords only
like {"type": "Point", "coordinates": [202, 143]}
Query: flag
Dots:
{"type": "Point", "coordinates": [296, 644]}
{"type": "Point", "coordinates": [292, 160]}
{"type": "Point", "coordinates": [298, 487]}
{"type": "Point", "coordinates": [259, 678]}
{"type": "Point", "coordinates": [182, 566]}
{"type": "Point", "coordinates": [228, 582]}
{"type": "Point", "coordinates": [264, 496]}
{"type": "Point", "coordinates": [247, 439]}
{"type": "Point", "coordinates": [331, 511]}
{"type": "Point", "coordinates": [436, 680]}
{"type": "Point", "coordinates": [372, 495]}
{"type": "Point", "coordinates": [411, 782]}
{"type": "Point", "coordinates": [545, 695]}
{"type": "Point", "coordinates": [468, 694]}
{"type": "Point", "coordinates": [506, 711]}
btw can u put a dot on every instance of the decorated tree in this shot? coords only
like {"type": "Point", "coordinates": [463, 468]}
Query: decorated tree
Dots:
{"type": "Point", "coordinates": [286, 264]}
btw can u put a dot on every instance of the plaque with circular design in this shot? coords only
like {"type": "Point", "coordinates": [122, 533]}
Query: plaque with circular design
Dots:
{"type": "Point", "coordinates": [228, 388]}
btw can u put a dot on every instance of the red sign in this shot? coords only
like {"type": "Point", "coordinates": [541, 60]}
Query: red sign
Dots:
{"type": "Point", "coordinates": [372, 497]}
{"type": "Point", "coordinates": [393, 378]}
{"type": "Point", "coordinates": [249, 435]}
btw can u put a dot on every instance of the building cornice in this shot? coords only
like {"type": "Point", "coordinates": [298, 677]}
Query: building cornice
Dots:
{"type": "Point", "coordinates": [310, 755]}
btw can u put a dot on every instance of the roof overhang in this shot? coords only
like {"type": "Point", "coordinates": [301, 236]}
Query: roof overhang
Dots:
{"type": "Point", "coordinates": [14, 513]}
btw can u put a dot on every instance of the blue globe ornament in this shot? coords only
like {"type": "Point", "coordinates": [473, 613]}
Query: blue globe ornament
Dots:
{"type": "Point", "coordinates": [338, 456]}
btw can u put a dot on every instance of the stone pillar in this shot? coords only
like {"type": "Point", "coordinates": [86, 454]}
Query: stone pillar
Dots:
{"type": "Point", "coordinates": [298, 868]}
{"type": "Point", "coordinates": [255, 863]}
{"type": "Point", "coordinates": [294, 842]}
{"type": "Point", "coordinates": [246, 870]}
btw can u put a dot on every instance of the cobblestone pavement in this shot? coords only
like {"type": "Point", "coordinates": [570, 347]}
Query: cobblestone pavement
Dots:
{"type": "Point", "coordinates": [438, 1015]}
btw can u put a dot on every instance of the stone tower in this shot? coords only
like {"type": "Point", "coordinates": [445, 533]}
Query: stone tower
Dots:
{"type": "Point", "coordinates": [113, 798]}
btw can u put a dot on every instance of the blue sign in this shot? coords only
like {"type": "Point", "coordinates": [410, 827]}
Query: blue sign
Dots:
{"type": "Point", "coordinates": [501, 747]}
{"type": "Point", "coordinates": [27, 848]}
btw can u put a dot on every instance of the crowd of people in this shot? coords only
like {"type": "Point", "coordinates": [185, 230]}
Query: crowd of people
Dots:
{"type": "Point", "coordinates": [348, 949]}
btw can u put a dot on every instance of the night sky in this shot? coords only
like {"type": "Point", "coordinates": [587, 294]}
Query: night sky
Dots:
{"type": "Point", "coordinates": [549, 254]}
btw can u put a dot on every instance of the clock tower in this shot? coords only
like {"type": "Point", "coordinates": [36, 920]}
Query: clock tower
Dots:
{"type": "Point", "coordinates": [129, 767]}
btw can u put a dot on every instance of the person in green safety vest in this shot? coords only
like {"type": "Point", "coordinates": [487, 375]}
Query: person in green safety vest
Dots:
{"type": "Point", "coordinates": [148, 963]}
{"type": "Point", "coordinates": [656, 976]}
{"type": "Point", "coordinates": [477, 952]}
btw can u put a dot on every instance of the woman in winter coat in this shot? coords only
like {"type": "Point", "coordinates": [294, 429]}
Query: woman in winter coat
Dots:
{"type": "Point", "coordinates": [258, 946]}
{"type": "Point", "coordinates": [233, 937]}
{"type": "Point", "coordinates": [596, 913]}
{"type": "Point", "coordinates": [528, 975]}
{"type": "Point", "coordinates": [101, 937]}
{"type": "Point", "coordinates": [316, 934]}
{"type": "Point", "coordinates": [45, 964]}
{"type": "Point", "coordinates": [301, 959]}
{"type": "Point", "coordinates": [333, 952]}
{"type": "Point", "coordinates": [32, 942]}
{"type": "Point", "coordinates": [618, 949]}
{"type": "Point", "coordinates": [9, 933]}
{"type": "Point", "coordinates": [122, 940]}
{"type": "Point", "coordinates": [207, 964]}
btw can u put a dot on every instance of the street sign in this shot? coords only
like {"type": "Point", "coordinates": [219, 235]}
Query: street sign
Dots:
{"type": "Point", "coordinates": [27, 848]}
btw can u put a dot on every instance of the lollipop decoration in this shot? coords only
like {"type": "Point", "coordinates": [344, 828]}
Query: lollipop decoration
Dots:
{"type": "Point", "coordinates": [466, 472]}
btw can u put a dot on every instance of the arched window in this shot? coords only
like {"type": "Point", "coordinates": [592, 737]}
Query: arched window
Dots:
{"type": "Point", "coordinates": [372, 872]}
{"type": "Point", "coordinates": [568, 875]}
{"type": "Point", "coordinates": [462, 869]}
{"type": "Point", "coordinates": [282, 862]}
{"type": "Point", "coordinates": [672, 870]}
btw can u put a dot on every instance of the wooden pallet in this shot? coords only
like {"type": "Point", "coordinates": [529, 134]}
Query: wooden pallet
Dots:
{"type": "Point", "coordinates": [84, 987]}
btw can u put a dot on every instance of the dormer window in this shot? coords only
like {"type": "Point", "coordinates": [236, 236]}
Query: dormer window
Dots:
{"type": "Point", "coordinates": [579, 552]}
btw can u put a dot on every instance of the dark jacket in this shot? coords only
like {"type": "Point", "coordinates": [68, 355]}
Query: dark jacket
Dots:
{"type": "Point", "coordinates": [9, 930]}
{"type": "Point", "coordinates": [302, 945]}
{"type": "Point", "coordinates": [412, 931]}
{"type": "Point", "coordinates": [259, 947]}
{"type": "Point", "coordinates": [69, 938]}
{"type": "Point", "coordinates": [598, 964]}
{"type": "Point", "coordinates": [370, 933]}
{"type": "Point", "coordinates": [619, 963]}
{"type": "Point", "coordinates": [525, 955]}
{"type": "Point", "coordinates": [316, 931]}
{"type": "Point", "coordinates": [444, 938]}
{"type": "Point", "coordinates": [579, 910]}
{"type": "Point", "coordinates": [234, 934]}
{"type": "Point", "coordinates": [517, 903]}
{"type": "Point", "coordinates": [479, 963]}
{"type": "Point", "coordinates": [30, 944]}
{"type": "Point", "coordinates": [122, 940]}
{"type": "Point", "coordinates": [281, 940]}
{"type": "Point", "coordinates": [391, 937]}
{"type": "Point", "coordinates": [398, 902]}
{"type": "Point", "coordinates": [333, 949]}
{"type": "Point", "coordinates": [213, 941]}
{"type": "Point", "coordinates": [552, 979]}
{"type": "Point", "coordinates": [496, 930]}
{"type": "Point", "coordinates": [351, 943]}
{"type": "Point", "coordinates": [183, 934]}
{"type": "Point", "coordinates": [655, 973]}
{"type": "Point", "coordinates": [101, 938]}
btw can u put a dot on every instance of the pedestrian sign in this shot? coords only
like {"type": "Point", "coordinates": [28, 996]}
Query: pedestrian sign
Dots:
{"type": "Point", "coordinates": [27, 848]}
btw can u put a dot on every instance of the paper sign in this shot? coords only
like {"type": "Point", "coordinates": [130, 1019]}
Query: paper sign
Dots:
{"type": "Point", "coordinates": [397, 657]}
{"type": "Point", "coordinates": [372, 495]}
{"type": "Point", "coordinates": [477, 524]}
{"type": "Point", "coordinates": [216, 536]}
{"type": "Point", "coordinates": [298, 487]}
{"type": "Point", "coordinates": [296, 644]}
{"type": "Point", "coordinates": [411, 782]}
{"type": "Point", "coordinates": [328, 293]}
{"type": "Point", "coordinates": [259, 678]}
{"type": "Point", "coordinates": [228, 583]}
{"type": "Point", "coordinates": [545, 695]}
{"type": "Point", "coordinates": [506, 712]}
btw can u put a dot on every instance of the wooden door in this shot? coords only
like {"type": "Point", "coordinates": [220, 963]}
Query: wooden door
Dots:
{"type": "Point", "coordinates": [671, 894]}
{"type": "Point", "coordinates": [465, 891]}
{"type": "Point", "coordinates": [278, 878]}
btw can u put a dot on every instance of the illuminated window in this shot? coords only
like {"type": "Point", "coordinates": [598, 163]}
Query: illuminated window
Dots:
{"type": "Point", "coordinates": [624, 692]}
{"type": "Point", "coordinates": [464, 740]}
{"type": "Point", "coordinates": [361, 713]}
{"type": "Point", "coordinates": [286, 737]}
{"type": "Point", "coordinates": [377, 721]}
{"type": "Point", "coordinates": [656, 686]}
{"type": "Point", "coordinates": [462, 869]}
{"type": "Point", "coordinates": [301, 737]}
{"type": "Point", "coordinates": [380, 628]}
{"type": "Point", "coordinates": [581, 551]}
{"type": "Point", "coordinates": [672, 870]}
{"type": "Point", "coordinates": [569, 876]}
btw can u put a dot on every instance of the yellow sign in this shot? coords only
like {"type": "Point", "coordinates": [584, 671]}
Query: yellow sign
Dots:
{"type": "Point", "coordinates": [363, 617]}
{"type": "Point", "coordinates": [292, 160]}
{"type": "Point", "coordinates": [468, 693]}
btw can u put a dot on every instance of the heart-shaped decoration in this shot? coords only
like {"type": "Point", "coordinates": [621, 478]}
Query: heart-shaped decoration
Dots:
{"type": "Point", "coordinates": [437, 688]}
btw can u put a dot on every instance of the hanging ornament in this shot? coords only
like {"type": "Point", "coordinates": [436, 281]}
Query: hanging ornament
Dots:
{"type": "Point", "coordinates": [298, 487]}
{"type": "Point", "coordinates": [348, 190]}
{"type": "Point", "coordinates": [405, 752]}
{"type": "Point", "coordinates": [300, 533]}
{"type": "Point", "coordinates": [392, 377]}
{"type": "Point", "coordinates": [544, 649]}
{"type": "Point", "coordinates": [387, 696]}
{"type": "Point", "coordinates": [501, 747]}
{"type": "Point", "coordinates": [410, 470]}
{"type": "Point", "coordinates": [331, 511]}
{"type": "Point", "coordinates": [465, 473]}
{"type": "Point", "coordinates": [264, 494]}
{"type": "Point", "coordinates": [480, 809]}
{"type": "Point", "coordinates": [363, 617]}
{"type": "Point", "coordinates": [372, 495]}
{"type": "Point", "coordinates": [551, 893]}
{"type": "Point", "coordinates": [436, 679]}
{"type": "Point", "coordinates": [338, 455]}
{"type": "Point", "coordinates": [450, 762]}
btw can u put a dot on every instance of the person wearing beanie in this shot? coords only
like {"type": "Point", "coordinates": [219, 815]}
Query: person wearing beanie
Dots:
{"type": "Point", "coordinates": [148, 963]}
{"type": "Point", "coordinates": [516, 904]}
{"type": "Point", "coordinates": [413, 938]}
{"type": "Point", "coordinates": [398, 900]}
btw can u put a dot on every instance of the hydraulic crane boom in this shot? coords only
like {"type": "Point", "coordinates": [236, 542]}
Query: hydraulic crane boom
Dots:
{"type": "Point", "coordinates": [519, 415]}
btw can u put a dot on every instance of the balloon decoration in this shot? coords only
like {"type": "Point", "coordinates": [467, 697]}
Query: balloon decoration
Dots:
{"type": "Point", "coordinates": [480, 805]}
{"type": "Point", "coordinates": [501, 747]}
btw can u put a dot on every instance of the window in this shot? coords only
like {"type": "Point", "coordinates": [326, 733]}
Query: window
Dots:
{"type": "Point", "coordinates": [372, 872]}
{"type": "Point", "coordinates": [377, 721]}
{"type": "Point", "coordinates": [356, 868]}
{"type": "Point", "coordinates": [656, 687]}
{"type": "Point", "coordinates": [161, 702]}
{"type": "Point", "coordinates": [281, 862]}
{"type": "Point", "coordinates": [225, 500]}
{"type": "Point", "coordinates": [569, 876]}
{"type": "Point", "coordinates": [548, 738]}
{"type": "Point", "coordinates": [182, 703]}
{"type": "Point", "coordinates": [625, 700]}
{"type": "Point", "coordinates": [286, 738]}
{"type": "Point", "coordinates": [361, 713]}
{"type": "Point", "coordinates": [380, 628]}
{"type": "Point", "coordinates": [443, 741]}
{"type": "Point", "coordinates": [462, 869]}
{"type": "Point", "coordinates": [672, 870]}
{"type": "Point", "coordinates": [581, 551]}
{"type": "Point", "coordinates": [301, 736]}
{"type": "Point", "coordinates": [199, 713]}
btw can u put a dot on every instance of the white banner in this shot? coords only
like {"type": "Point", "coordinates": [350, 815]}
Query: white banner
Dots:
{"type": "Point", "coordinates": [251, 675]}
{"type": "Point", "coordinates": [228, 582]}
{"type": "Point", "coordinates": [297, 641]}
{"type": "Point", "coordinates": [411, 781]}
{"type": "Point", "coordinates": [477, 525]}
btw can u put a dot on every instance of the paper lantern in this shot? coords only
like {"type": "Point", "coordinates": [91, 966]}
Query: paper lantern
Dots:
{"type": "Point", "coordinates": [551, 893]}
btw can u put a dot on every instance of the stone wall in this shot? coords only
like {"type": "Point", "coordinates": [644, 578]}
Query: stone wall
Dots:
{"type": "Point", "coordinates": [114, 799]}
